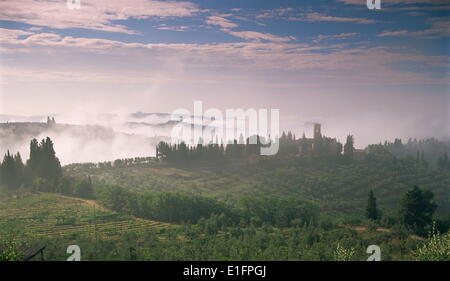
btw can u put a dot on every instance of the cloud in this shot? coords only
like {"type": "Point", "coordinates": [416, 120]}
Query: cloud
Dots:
{"type": "Point", "coordinates": [440, 27]}
{"type": "Point", "coordinates": [340, 36]}
{"type": "Point", "coordinates": [227, 26]}
{"type": "Point", "coordinates": [12, 34]}
{"type": "Point", "coordinates": [274, 13]}
{"type": "Point", "coordinates": [317, 17]}
{"type": "Point", "coordinates": [172, 28]}
{"type": "Point", "coordinates": [122, 62]}
{"type": "Point", "coordinates": [390, 2]}
{"type": "Point", "coordinates": [253, 35]}
{"type": "Point", "coordinates": [220, 21]}
{"type": "Point", "coordinates": [93, 14]}
{"type": "Point", "coordinates": [426, 8]}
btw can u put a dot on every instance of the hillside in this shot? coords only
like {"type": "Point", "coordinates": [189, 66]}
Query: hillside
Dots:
{"type": "Point", "coordinates": [51, 215]}
{"type": "Point", "coordinates": [337, 188]}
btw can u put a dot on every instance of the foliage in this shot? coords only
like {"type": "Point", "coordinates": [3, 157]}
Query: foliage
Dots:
{"type": "Point", "coordinates": [84, 189]}
{"type": "Point", "coordinates": [343, 254]}
{"type": "Point", "coordinates": [162, 206]}
{"type": "Point", "coordinates": [9, 250]}
{"type": "Point", "coordinates": [43, 162]}
{"type": "Point", "coordinates": [372, 212]}
{"type": "Point", "coordinates": [417, 208]}
{"type": "Point", "coordinates": [349, 148]}
{"type": "Point", "coordinates": [436, 248]}
{"type": "Point", "coordinates": [277, 212]}
{"type": "Point", "coordinates": [12, 170]}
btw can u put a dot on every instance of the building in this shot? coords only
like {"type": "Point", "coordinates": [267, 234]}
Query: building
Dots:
{"type": "Point", "coordinates": [319, 145]}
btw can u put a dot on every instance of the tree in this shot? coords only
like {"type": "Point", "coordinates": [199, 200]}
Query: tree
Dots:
{"type": "Point", "coordinates": [84, 189]}
{"type": "Point", "coordinates": [417, 208]}
{"type": "Point", "coordinates": [33, 162]}
{"type": "Point", "coordinates": [372, 212]}
{"type": "Point", "coordinates": [43, 161]}
{"type": "Point", "coordinates": [12, 170]}
{"type": "Point", "coordinates": [349, 148]}
{"type": "Point", "coordinates": [50, 166]}
{"type": "Point", "coordinates": [8, 170]}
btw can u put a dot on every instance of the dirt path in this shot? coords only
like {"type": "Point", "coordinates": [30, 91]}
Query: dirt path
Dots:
{"type": "Point", "coordinates": [360, 228]}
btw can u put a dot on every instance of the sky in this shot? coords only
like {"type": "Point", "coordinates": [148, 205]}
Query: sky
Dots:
{"type": "Point", "coordinates": [377, 74]}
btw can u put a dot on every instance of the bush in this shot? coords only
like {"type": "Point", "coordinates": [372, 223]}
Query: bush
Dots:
{"type": "Point", "coordinates": [436, 248]}
{"type": "Point", "coordinates": [9, 250]}
{"type": "Point", "coordinates": [343, 254]}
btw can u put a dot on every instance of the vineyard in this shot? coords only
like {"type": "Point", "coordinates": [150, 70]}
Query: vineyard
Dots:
{"type": "Point", "coordinates": [52, 215]}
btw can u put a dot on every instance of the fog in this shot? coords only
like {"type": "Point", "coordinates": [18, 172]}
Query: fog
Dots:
{"type": "Point", "coordinates": [86, 134]}
{"type": "Point", "coordinates": [91, 138]}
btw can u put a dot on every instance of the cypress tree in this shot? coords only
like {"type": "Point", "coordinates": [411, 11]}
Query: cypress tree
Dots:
{"type": "Point", "coordinates": [372, 212]}
{"type": "Point", "coordinates": [349, 148]}
{"type": "Point", "coordinates": [8, 171]}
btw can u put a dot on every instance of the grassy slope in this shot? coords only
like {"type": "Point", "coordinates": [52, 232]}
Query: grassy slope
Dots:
{"type": "Point", "coordinates": [336, 188]}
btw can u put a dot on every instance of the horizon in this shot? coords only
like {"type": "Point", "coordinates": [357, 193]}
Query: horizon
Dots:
{"type": "Point", "coordinates": [376, 74]}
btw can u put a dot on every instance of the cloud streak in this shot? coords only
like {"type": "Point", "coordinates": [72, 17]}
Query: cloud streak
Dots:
{"type": "Point", "coordinates": [440, 27]}
{"type": "Point", "coordinates": [319, 17]}
{"type": "Point", "coordinates": [340, 36]}
{"type": "Point", "coordinates": [94, 14]}
{"type": "Point", "coordinates": [137, 60]}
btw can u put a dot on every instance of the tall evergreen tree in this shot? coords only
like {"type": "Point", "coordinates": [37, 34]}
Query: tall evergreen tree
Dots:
{"type": "Point", "coordinates": [7, 169]}
{"type": "Point", "coordinates": [372, 212]}
{"type": "Point", "coordinates": [11, 171]}
{"type": "Point", "coordinates": [349, 148]}
{"type": "Point", "coordinates": [35, 156]}
{"type": "Point", "coordinates": [43, 161]}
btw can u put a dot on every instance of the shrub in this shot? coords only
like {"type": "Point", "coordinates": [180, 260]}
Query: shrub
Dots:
{"type": "Point", "coordinates": [436, 248]}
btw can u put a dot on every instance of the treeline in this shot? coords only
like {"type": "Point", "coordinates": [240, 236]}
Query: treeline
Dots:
{"type": "Point", "coordinates": [277, 212]}
{"type": "Point", "coordinates": [209, 154]}
{"type": "Point", "coordinates": [320, 147]}
{"type": "Point", "coordinates": [186, 208]}
{"type": "Point", "coordinates": [42, 172]}
{"type": "Point", "coordinates": [42, 164]}
{"type": "Point", "coordinates": [161, 206]}
{"type": "Point", "coordinates": [125, 162]}
{"type": "Point", "coordinates": [431, 150]}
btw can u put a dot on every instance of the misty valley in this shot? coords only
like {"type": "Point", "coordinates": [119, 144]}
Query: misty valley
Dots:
{"type": "Point", "coordinates": [137, 196]}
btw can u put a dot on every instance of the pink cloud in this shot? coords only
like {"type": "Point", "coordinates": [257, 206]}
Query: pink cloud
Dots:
{"type": "Point", "coordinates": [253, 35]}
{"type": "Point", "coordinates": [220, 21]}
{"type": "Point", "coordinates": [93, 14]}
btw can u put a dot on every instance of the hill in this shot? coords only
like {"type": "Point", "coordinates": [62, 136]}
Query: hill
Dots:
{"type": "Point", "coordinates": [336, 188]}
